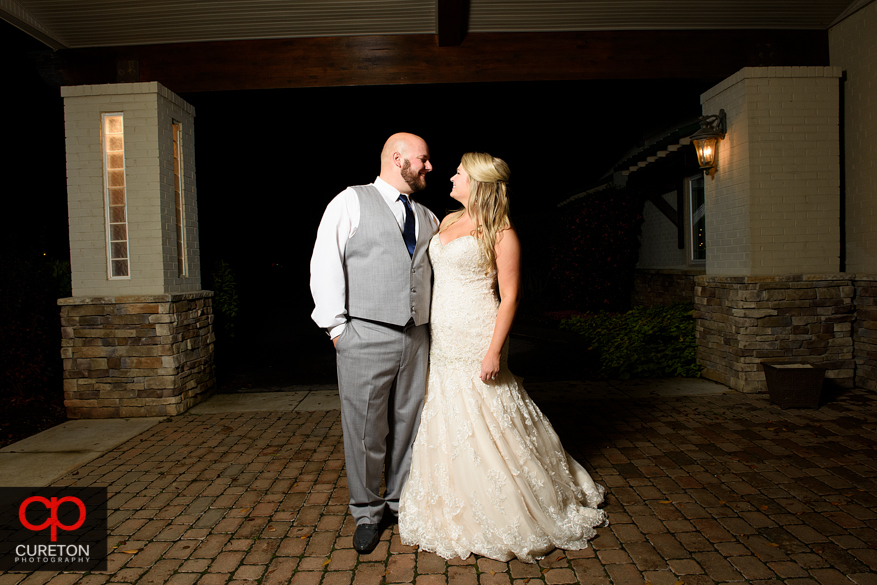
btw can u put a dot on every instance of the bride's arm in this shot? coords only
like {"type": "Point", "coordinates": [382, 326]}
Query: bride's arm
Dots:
{"type": "Point", "coordinates": [508, 276]}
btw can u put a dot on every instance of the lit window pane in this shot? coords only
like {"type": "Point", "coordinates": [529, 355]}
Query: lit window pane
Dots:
{"type": "Point", "coordinates": [178, 201]}
{"type": "Point", "coordinates": [120, 268]}
{"type": "Point", "coordinates": [116, 178]}
{"type": "Point", "coordinates": [117, 196]}
{"type": "Point", "coordinates": [118, 233]}
{"type": "Point", "coordinates": [114, 195]}
{"type": "Point", "coordinates": [115, 161]}
{"type": "Point", "coordinates": [119, 250]}
{"type": "Point", "coordinates": [117, 214]}
{"type": "Point", "coordinates": [114, 125]}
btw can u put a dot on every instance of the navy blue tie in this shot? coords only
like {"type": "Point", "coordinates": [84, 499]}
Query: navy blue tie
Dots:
{"type": "Point", "coordinates": [408, 230]}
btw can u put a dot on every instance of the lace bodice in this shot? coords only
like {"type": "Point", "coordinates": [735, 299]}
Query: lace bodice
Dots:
{"type": "Point", "coordinates": [464, 305]}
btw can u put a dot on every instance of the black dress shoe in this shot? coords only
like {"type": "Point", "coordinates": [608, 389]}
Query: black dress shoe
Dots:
{"type": "Point", "coordinates": [366, 538]}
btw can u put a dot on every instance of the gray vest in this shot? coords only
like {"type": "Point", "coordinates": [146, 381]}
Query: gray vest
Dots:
{"type": "Point", "coordinates": [383, 282]}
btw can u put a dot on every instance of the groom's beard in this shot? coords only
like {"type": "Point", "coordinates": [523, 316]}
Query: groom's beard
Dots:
{"type": "Point", "coordinates": [413, 180]}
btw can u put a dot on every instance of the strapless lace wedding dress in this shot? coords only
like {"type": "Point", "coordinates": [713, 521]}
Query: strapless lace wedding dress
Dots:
{"type": "Point", "coordinates": [489, 475]}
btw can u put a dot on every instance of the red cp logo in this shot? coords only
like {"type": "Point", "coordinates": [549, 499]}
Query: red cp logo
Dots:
{"type": "Point", "coordinates": [51, 505]}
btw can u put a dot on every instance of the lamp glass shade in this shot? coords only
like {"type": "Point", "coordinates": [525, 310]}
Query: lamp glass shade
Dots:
{"type": "Point", "coordinates": [707, 151]}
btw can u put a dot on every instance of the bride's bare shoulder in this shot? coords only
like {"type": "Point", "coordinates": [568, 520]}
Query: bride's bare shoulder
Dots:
{"type": "Point", "coordinates": [508, 234]}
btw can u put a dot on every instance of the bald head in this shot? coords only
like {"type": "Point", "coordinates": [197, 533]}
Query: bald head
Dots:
{"type": "Point", "coordinates": [405, 162]}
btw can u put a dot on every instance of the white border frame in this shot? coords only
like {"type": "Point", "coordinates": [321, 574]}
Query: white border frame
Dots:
{"type": "Point", "coordinates": [103, 126]}
{"type": "Point", "coordinates": [182, 252]}
{"type": "Point", "coordinates": [690, 259]}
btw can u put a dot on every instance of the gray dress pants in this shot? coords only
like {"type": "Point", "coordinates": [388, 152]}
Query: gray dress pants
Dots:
{"type": "Point", "coordinates": [381, 378]}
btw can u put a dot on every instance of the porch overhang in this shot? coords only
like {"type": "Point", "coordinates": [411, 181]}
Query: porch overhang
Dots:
{"type": "Point", "coordinates": [420, 59]}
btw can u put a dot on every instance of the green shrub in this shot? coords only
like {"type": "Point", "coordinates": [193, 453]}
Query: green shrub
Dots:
{"type": "Point", "coordinates": [645, 342]}
{"type": "Point", "coordinates": [61, 276]}
{"type": "Point", "coordinates": [225, 299]}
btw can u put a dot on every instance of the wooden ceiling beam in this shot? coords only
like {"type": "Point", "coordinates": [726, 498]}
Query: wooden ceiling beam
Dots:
{"type": "Point", "coordinates": [407, 59]}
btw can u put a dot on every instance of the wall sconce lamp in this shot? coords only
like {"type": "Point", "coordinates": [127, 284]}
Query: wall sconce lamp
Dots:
{"type": "Point", "coordinates": [706, 140]}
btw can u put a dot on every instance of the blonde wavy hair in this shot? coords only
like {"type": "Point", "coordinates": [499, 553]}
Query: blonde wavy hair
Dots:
{"type": "Point", "coordinates": [488, 200]}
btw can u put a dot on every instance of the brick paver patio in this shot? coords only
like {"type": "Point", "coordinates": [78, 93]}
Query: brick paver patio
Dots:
{"type": "Point", "coordinates": [702, 490]}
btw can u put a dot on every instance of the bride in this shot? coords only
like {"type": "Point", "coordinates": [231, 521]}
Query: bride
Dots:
{"type": "Point", "coordinates": [489, 475]}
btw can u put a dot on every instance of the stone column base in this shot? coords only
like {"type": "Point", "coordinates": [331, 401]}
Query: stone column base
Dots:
{"type": "Point", "coordinates": [865, 331]}
{"type": "Point", "coordinates": [745, 320]}
{"type": "Point", "coordinates": [133, 356]}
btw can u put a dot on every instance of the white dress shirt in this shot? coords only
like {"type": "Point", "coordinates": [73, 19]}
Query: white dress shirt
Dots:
{"type": "Point", "coordinates": [339, 223]}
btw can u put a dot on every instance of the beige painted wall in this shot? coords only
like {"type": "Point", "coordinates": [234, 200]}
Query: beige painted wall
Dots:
{"type": "Point", "coordinates": [772, 205]}
{"type": "Point", "coordinates": [149, 109]}
{"type": "Point", "coordinates": [727, 192]}
{"type": "Point", "coordinates": [660, 248]}
{"type": "Point", "coordinates": [853, 48]}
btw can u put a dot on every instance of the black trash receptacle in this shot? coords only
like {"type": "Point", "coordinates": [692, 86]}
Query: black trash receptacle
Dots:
{"type": "Point", "coordinates": [793, 385]}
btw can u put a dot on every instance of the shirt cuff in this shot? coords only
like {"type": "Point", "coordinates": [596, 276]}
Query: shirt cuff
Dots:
{"type": "Point", "coordinates": [336, 330]}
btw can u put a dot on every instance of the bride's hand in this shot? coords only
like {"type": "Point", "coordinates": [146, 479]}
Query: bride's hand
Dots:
{"type": "Point", "coordinates": [489, 367]}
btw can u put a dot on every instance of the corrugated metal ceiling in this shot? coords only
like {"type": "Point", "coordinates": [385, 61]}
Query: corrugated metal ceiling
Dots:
{"type": "Point", "coordinates": [573, 15]}
{"type": "Point", "coordinates": [94, 23]}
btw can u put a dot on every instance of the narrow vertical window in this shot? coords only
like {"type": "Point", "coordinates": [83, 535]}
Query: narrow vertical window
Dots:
{"type": "Point", "coordinates": [697, 221]}
{"type": "Point", "coordinates": [178, 199]}
{"type": "Point", "coordinates": [115, 196]}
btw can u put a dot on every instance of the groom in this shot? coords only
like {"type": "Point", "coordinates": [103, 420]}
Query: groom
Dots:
{"type": "Point", "coordinates": [371, 283]}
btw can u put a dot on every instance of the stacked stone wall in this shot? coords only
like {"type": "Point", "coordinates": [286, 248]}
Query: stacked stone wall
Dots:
{"type": "Point", "coordinates": [744, 321]}
{"type": "Point", "coordinates": [663, 287]}
{"type": "Point", "coordinates": [865, 332]}
{"type": "Point", "coordinates": [135, 356]}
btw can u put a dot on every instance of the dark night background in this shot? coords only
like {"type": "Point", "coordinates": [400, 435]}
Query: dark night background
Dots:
{"type": "Point", "coordinates": [269, 161]}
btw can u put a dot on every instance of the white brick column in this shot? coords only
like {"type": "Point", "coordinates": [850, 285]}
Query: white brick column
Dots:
{"type": "Point", "coordinates": [149, 111]}
{"type": "Point", "coordinates": [773, 204]}
{"type": "Point", "coordinates": [772, 291]}
{"type": "Point", "coordinates": [136, 340]}
{"type": "Point", "coordinates": [852, 44]}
